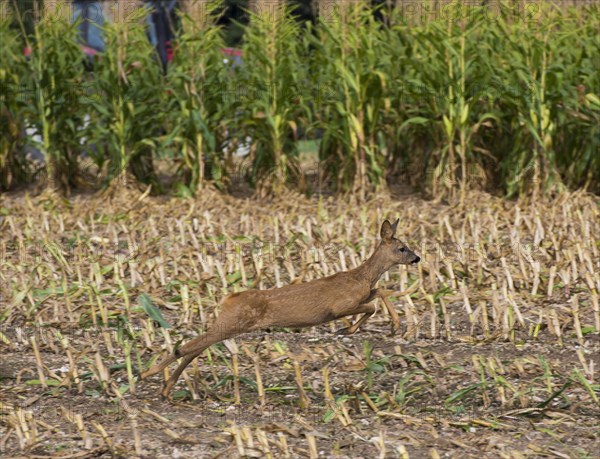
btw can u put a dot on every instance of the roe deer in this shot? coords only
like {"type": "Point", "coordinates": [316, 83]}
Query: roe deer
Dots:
{"type": "Point", "coordinates": [301, 305]}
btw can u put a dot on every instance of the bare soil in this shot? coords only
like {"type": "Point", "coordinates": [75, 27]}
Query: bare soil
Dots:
{"type": "Point", "coordinates": [459, 390]}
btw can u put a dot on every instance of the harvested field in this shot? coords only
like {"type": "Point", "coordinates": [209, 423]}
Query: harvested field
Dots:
{"type": "Point", "coordinates": [497, 355]}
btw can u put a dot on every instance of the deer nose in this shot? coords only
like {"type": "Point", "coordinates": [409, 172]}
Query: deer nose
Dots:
{"type": "Point", "coordinates": [416, 260]}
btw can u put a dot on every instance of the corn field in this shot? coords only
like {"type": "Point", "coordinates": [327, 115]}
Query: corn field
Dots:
{"type": "Point", "coordinates": [162, 191]}
{"type": "Point", "coordinates": [502, 102]}
{"type": "Point", "coordinates": [498, 337]}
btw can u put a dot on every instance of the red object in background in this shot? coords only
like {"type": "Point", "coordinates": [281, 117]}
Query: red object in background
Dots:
{"type": "Point", "coordinates": [169, 51]}
{"type": "Point", "coordinates": [89, 51]}
{"type": "Point", "coordinates": [232, 52]}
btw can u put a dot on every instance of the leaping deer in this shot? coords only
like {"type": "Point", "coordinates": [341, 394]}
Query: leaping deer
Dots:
{"type": "Point", "coordinates": [301, 305]}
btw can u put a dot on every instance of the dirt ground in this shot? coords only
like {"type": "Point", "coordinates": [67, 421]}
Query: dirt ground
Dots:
{"type": "Point", "coordinates": [203, 428]}
{"type": "Point", "coordinates": [455, 381]}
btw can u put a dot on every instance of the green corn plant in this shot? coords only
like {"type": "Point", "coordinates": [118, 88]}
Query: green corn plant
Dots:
{"type": "Point", "coordinates": [578, 376]}
{"type": "Point", "coordinates": [199, 106]}
{"type": "Point", "coordinates": [577, 138]}
{"type": "Point", "coordinates": [347, 54]}
{"type": "Point", "coordinates": [528, 65]}
{"type": "Point", "coordinates": [56, 76]}
{"type": "Point", "coordinates": [443, 78]}
{"type": "Point", "coordinates": [372, 366]}
{"type": "Point", "coordinates": [12, 121]}
{"type": "Point", "coordinates": [411, 386]}
{"type": "Point", "coordinates": [461, 120]}
{"type": "Point", "coordinates": [268, 105]}
{"type": "Point", "coordinates": [509, 104]}
{"type": "Point", "coordinates": [406, 128]}
{"type": "Point", "coordinates": [127, 104]}
{"type": "Point", "coordinates": [435, 94]}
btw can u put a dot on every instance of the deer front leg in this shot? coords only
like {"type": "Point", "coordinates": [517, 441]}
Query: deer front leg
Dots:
{"type": "Point", "coordinates": [384, 295]}
{"type": "Point", "coordinates": [368, 310]}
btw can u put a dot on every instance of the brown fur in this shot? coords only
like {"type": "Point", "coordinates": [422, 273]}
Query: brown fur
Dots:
{"type": "Point", "coordinates": [300, 305]}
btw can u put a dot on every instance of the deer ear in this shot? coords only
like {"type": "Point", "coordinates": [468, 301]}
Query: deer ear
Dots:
{"type": "Point", "coordinates": [394, 226]}
{"type": "Point", "coordinates": [387, 231]}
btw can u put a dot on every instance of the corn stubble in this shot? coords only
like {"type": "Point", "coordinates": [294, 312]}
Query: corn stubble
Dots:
{"type": "Point", "coordinates": [498, 344]}
{"type": "Point", "coordinates": [499, 323]}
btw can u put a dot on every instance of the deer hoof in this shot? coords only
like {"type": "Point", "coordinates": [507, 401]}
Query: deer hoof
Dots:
{"type": "Point", "coordinates": [167, 388]}
{"type": "Point", "coordinates": [344, 331]}
{"type": "Point", "coordinates": [146, 374]}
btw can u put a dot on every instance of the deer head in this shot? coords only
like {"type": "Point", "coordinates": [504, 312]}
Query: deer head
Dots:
{"type": "Point", "coordinates": [394, 250]}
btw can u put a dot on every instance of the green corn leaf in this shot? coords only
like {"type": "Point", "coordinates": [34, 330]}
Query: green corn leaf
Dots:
{"type": "Point", "coordinates": [152, 311]}
{"type": "Point", "coordinates": [419, 120]}
{"type": "Point", "coordinates": [594, 100]}
{"type": "Point", "coordinates": [448, 127]}
{"type": "Point", "coordinates": [460, 394]}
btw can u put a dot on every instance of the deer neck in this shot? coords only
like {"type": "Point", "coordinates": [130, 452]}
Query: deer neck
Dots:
{"type": "Point", "coordinates": [373, 268]}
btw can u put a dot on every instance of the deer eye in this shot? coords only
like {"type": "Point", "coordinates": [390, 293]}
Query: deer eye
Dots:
{"type": "Point", "coordinates": [401, 249]}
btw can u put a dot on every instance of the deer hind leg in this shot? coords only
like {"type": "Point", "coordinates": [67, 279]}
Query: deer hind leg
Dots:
{"type": "Point", "coordinates": [157, 368]}
{"type": "Point", "coordinates": [189, 352]}
{"type": "Point", "coordinates": [168, 386]}
{"type": "Point", "coordinates": [367, 310]}
{"type": "Point", "coordinates": [225, 327]}
{"type": "Point", "coordinates": [192, 350]}
{"type": "Point", "coordinates": [198, 341]}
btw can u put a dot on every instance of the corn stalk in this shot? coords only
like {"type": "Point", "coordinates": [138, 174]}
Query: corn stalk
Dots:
{"type": "Point", "coordinates": [12, 105]}
{"type": "Point", "coordinates": [347, 51]}
{"type": "Point", "coordinates": [56, 75]}
{"type": "Point", "coordinates": [268, 104]}
{"type": "Point", "coordinates": [199, 103]}
{"type": "Point", "coordinates": [129, 93]}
